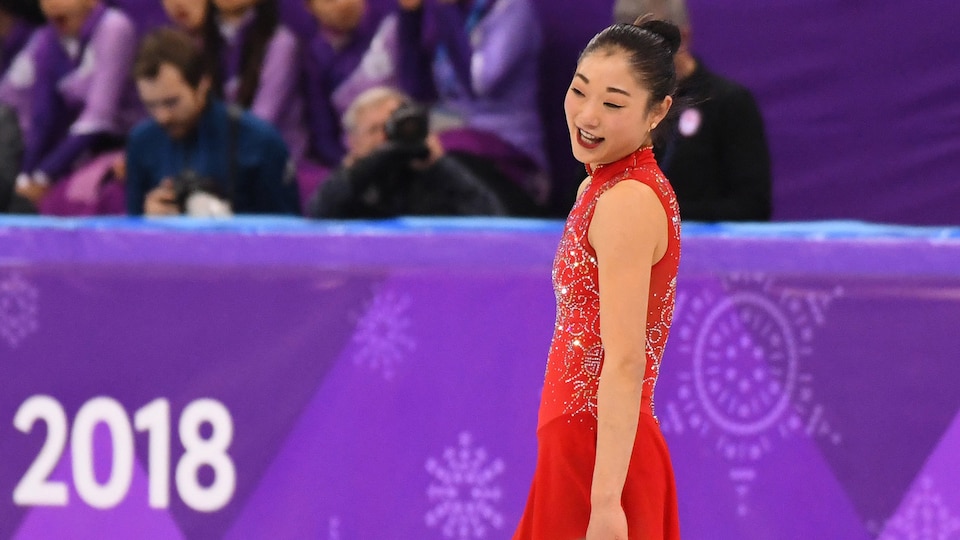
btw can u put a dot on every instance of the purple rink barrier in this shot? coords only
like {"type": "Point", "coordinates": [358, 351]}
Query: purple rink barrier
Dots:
{"type": "Point", "coordinates": [290, 379]}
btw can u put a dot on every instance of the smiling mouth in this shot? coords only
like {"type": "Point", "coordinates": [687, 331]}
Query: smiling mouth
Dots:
{"type": "Point", "coordinates": [588, 140]}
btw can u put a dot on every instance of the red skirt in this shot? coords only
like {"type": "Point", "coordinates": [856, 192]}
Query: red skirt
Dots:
{"type": "Point", "coordinates": [558, 507]}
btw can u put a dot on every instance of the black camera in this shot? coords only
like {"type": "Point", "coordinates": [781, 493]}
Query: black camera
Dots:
{"type": "Point", "coordinates": [409, 124]}
{"type": "Point", "coordinates": [198, 195]}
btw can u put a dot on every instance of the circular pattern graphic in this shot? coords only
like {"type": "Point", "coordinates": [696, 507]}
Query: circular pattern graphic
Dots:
{"type": "Point", "coordinates": [745, 364]}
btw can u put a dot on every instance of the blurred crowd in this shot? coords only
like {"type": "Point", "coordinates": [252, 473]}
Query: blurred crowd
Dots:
{"type": "Point", "coordinates": [325, 108]}
{"type": "Point", "coordinates": [332, 108]}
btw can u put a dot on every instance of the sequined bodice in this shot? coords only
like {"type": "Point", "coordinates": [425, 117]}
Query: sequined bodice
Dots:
{"type": "Point", "coordinates": [576, 352]}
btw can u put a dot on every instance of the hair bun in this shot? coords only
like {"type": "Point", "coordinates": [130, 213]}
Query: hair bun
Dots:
{"type": "Point", "coordinates": [666, 30]}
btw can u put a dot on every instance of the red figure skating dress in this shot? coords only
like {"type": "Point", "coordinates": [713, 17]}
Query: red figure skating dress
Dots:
{"type": "Point", "coordinates": [558, 507]}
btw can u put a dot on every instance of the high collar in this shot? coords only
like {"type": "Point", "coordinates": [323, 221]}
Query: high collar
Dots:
{"type": "Point", "coordinates": [640, 156]}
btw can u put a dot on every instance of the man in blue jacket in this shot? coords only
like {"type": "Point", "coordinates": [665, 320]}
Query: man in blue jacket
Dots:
{"type": "Point", "coordinates": [196, 145]}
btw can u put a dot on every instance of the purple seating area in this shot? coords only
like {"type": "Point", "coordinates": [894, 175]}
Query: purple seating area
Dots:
{"type": "Point", "coordinates": [860, 104]}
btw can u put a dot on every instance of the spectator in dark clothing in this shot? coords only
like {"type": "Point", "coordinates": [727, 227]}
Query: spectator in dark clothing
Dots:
{"type": "Point", "coordinates": [11, 155]}
{"type": "Point", "coordinates": [195, 144]}
{"type": "Point", "coordinates": [717, 157]}
{"type": "Point", "coordinates": [395, 167]}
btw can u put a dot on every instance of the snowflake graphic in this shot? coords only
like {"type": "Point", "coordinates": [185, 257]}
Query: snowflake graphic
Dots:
{"type": "Point", "coordinates": [747, 387]}
{"type": "Point", "coordinates": [18, 309]}
{"type": "Point", "coordinates": [923, 516]}
{"type": "Point", "coordinates": [382, 334]}
{"type": "Point", "coordinates": [462, 491]}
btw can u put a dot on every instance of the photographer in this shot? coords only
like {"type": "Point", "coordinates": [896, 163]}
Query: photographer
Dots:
{"type": "Point", "coordinates": [394, 167]}
{"type": "Point", "coordinates": [196, 155]}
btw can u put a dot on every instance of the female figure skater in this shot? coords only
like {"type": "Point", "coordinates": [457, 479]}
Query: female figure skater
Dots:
{"type": "Point", "coordinates": [603, 469]}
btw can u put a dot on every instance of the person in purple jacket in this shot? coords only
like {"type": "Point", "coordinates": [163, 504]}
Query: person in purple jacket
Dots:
{"type": "Point", "coordinates": [295, 15]}
{"type": "Point", "coordinates": [258, 65]}
{"type": "Point", "coordinates": [17, 23]}
{"type": "Point", "coordinates": [477, 62]}
{"type": "Point", "coordinates": [345, 30]}
{"type": "Point", "coordinates": [82, 101]}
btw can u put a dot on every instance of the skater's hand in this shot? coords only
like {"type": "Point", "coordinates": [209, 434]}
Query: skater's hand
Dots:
{"type": "Point", "coordinates": [607, 523]}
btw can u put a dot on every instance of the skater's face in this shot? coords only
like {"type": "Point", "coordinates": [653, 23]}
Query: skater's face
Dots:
{"type": "Point", "coordinates": [608, 110]}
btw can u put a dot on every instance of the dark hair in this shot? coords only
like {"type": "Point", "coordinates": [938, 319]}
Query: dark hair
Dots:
{"type": "Point", "coordinates": [28, 10]}
{"type": "Point", "coordinates": [174, 47]}
{"type": "Point", "coordinates": [651, 46]}
{"type": "Point", "coordinates": [254, 49]}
